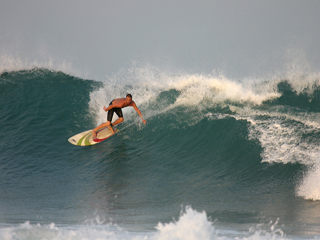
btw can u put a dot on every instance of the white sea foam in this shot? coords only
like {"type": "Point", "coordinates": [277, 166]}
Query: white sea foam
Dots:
{"type": "Point", "coordinates": [284, 136]}
{"type": "Point", "coordinates": [218, 89]}
{"type": "Point", "coordinates": [192, 225]}
{"type": "Point", "coordinates": [309, 188]}
{"type": "Point", "coordinates": [287, 137]}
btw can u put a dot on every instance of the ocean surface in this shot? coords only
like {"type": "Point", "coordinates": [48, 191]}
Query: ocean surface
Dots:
{"type": "Point", "coordinates": [218, 158]}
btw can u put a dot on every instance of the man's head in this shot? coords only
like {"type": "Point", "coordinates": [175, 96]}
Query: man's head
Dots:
{"type": "Point", "coordinates": [128, 98]}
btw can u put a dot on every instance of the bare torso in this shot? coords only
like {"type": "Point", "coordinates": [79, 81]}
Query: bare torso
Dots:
{"type": "Point", "coordinates": [121, 103]}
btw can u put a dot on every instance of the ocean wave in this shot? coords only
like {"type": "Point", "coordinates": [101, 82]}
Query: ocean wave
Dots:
{"type": "Point", "coordinates": [205, 126]}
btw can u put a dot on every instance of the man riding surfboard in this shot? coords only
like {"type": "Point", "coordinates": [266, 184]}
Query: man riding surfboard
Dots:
{"type": "Point", "coordinates": [115, 107]}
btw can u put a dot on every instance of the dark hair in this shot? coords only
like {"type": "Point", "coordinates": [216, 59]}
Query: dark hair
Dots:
{"type": "Point", "coordinates": [129, 95]}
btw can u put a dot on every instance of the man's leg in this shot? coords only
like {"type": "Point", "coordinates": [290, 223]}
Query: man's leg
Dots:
{"type": "Point", "coordinates": [106, 124]}
{"type": "Point", "coordinates": [119, 120]}
{"type": "Point", "coordinates": [118, 111]}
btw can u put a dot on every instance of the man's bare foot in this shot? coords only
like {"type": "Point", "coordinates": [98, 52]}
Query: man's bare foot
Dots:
{"type": "Point", "coordinates": [94, 134]}
{"type": "Point", "coordinates": [111, 129]}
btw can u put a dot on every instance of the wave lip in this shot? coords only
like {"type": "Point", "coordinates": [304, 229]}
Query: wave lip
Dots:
{"type": "Point", "coordinates": [10, 63]}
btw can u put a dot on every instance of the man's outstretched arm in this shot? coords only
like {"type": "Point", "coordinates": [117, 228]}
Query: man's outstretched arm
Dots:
{"type": "Point", "coordinates": [138, 111]}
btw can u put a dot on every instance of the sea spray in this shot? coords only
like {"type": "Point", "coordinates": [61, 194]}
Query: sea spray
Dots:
{"type": "Point", "coordinates": [191, 225]}
{"type": "Point", "coordinates": [309, 188]}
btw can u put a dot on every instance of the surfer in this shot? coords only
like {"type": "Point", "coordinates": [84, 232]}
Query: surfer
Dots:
{"type": "Point", "coordinates": [115, 107]}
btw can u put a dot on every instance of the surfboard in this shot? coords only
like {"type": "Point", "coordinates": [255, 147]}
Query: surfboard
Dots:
{"type": "Point", "coordinates": [85, 138]}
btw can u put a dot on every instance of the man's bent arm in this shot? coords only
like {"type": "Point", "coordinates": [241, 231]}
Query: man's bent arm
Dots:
{"type": "Point", "coordinates": [108, 108]}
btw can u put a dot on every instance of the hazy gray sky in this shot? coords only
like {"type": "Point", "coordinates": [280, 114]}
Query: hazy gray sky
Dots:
{"type": "Point", "coordinates": [242, 38]}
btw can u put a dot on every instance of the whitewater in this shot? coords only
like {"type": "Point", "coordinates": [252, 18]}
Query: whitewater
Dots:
{"type": "Point", "coordinates": [219, 158]}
